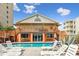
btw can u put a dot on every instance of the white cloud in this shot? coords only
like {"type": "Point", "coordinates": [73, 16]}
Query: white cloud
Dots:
{"type": "Point", "coordinates": [30, 9]}
{"type": "Point", "coordinates": [16, 8]}
{"type": "Point", "coordinates": [63, 11]}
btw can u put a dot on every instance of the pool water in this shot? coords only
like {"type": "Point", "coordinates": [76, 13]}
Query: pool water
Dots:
{"type": "Point", "coordinates": [32, 44]}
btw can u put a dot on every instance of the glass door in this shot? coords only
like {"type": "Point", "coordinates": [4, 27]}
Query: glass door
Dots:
{"type": "Point", "coordinates": [37, 37]}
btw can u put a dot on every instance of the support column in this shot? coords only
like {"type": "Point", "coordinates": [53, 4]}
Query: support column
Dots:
{"type": "Point", "coordinates": [31, 37]}
{"type": "Point", "coordinates": [55, 36]}
{"type": "Point", "coordinates": [44, 37]}
{"type": "Point", "coordinates": [19, 37]}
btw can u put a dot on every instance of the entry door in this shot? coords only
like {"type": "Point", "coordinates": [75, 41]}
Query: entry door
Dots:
{"type": "Point", "coordinates": [37, 37]}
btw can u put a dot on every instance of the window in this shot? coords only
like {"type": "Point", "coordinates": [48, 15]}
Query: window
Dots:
{"type": "Point", "coordinates": [71, 31]}
{"type": "Point", "coordinates": [7, 21]}
{"type": "Point", "coordinates": [7, 12]}
{"type": "Point", "coordinates": [7, 7]}
{"type": "Point", "coordinates": [24, 35]}
{"type": "Point", "coordinates": [7, 17]}
{"type": "Point", "coordinates": [71, 21]}
{"type": "Point", "coordinates": [64, 23]}
{"type": "Point", "coordinates": [49, 35]}
{"type": "Point", "coordinates": [74, 31]}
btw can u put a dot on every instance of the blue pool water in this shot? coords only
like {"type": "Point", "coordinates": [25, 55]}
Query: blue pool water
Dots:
{"type": "Point", "coordinates": [32, 44]}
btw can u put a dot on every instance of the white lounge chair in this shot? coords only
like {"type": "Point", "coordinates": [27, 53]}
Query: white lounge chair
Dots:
{"type": "Point", "coordinates": [10, 48]}
{"type": "Point", "coordinates": [10, 51]}
{"type": "Point", "coordinates": [2, 48]}
{"type": "Point", "coordinates": [61, 50]}
{"type": "Point", "coordinates": [54, 53]}
{"type": "Point", "coordinates": [9, 44]}
{"type": "Point", "coordinates": [72, 50]}
{"type": "Point", "coordinates": [55, 43]}
{"type": "Point", "coordinates": [45, 50]}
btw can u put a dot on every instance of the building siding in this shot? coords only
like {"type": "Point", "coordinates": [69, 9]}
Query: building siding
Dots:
{"type": "Point", "coordinates": [6, 14]}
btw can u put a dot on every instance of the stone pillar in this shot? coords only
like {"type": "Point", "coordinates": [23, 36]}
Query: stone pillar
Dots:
{"type": "Point", "coordinates": [31, 37]}
{"type": "Point", "coordinates": [44, 37]}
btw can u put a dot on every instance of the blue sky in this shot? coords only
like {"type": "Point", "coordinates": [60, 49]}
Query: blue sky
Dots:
{"type": "Point", "coordinates": [58, 11]}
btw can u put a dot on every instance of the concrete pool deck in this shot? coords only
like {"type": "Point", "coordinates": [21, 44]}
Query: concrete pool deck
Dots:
{"type": "Point", "coordinates": [34, 51]}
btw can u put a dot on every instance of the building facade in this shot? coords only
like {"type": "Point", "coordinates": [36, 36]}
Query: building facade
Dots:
{"type": "Point", "coordinates": [69, 27]}
{"type": "Point", "coordinates": [11, 35]}
{"type": "Point", "coordinates": [77, 25]}
{"type": "Point", "coordinates": [72, 26]}
{"type": "Point", "coordinates": [38, 28]}
{"type": "Point", "coordinates": [6, 14]}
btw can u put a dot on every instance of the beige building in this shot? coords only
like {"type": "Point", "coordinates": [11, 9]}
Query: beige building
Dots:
{"type": "Point", "coordinates": [38, 28]}
{"type": "Point", "coordinates": [6, 14]}
{"type": "Point", "coordinates": [69, 27]}
{"type": "Point", "coordinates": [72, 26]}
{"type": "Point", "coordinates": [77, 25]}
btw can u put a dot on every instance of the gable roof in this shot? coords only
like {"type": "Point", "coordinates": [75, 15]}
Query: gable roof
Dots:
{"type": "Point", "coordinates": [37, 18]}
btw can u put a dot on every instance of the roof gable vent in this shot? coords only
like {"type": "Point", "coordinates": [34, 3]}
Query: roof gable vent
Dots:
{"type": "Point", "coordinates": [37, 19]}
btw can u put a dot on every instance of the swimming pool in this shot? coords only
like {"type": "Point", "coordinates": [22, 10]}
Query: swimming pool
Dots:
{"type": "Point", "coordinates": [32, 44]}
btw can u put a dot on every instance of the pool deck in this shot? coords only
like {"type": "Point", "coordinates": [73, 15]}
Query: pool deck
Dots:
{"type": "Point", "coordinates": [34, 51]}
